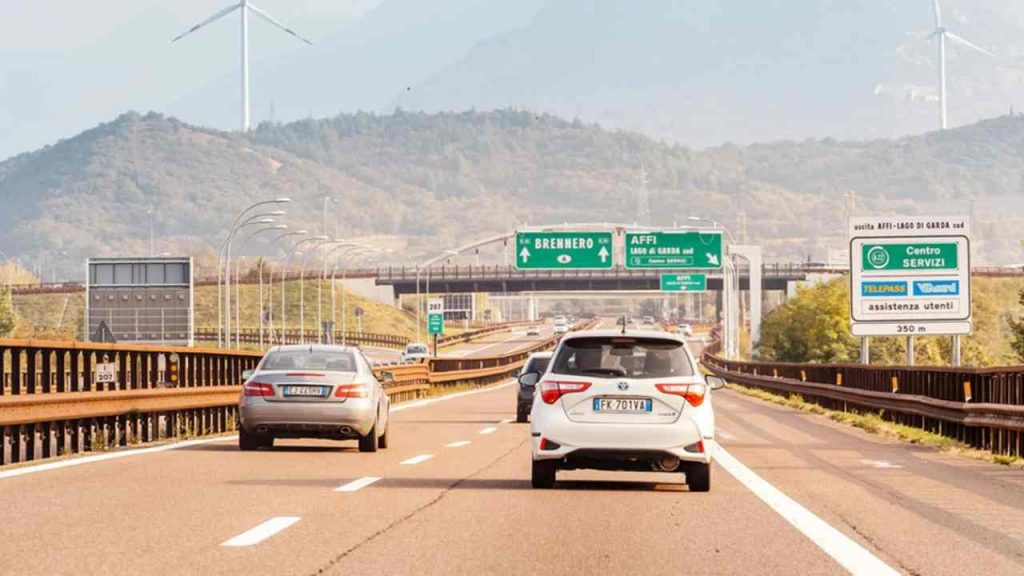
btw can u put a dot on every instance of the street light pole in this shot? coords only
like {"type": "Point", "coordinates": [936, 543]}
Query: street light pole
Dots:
{"type": "Point", "coordinates": [227, 259]}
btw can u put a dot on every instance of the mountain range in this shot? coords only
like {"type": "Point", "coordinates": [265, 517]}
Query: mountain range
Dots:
{"type": "Point", "coordinates": [422, 183]}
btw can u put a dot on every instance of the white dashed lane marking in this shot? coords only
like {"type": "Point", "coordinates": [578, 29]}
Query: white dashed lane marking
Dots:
{"type": "Point", "coordinates": [261, 532]}
{"type": "Point", "coordinates": [357, 484]}
{"type": "Point", "coordinates": [418, 459]}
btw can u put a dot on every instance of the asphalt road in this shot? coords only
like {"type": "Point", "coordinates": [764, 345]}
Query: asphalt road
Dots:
{"type": "Point", "coordinates": [453, 497]}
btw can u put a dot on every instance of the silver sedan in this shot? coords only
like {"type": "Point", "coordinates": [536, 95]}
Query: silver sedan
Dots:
{"type": "Point", "coordinates": [313, 391]}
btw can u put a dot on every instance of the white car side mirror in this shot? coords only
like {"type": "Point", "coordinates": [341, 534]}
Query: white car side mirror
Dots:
{"type": "Point", "coordinates": [715, 382]}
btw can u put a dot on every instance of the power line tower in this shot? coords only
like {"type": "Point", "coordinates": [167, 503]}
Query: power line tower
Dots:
{"type": "Point", "coordinates": [643, 199]}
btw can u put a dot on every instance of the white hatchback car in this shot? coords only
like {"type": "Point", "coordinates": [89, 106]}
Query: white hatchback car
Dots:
{"type": "Point", "coordinates": [622, 400]}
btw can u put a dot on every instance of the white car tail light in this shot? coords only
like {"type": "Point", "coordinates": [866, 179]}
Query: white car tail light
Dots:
{"type": "Point", "coordinates": [693, 393]}
{"type": "Point", "coordinates": [552, 390]}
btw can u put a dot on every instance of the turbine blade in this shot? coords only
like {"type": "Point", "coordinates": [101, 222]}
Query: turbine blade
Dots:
{"type": "Point", "coordinates": [270, 19]}
{"type": "Point", "coordinates": [968, 44]}
{"type": "Point", "coordinates": [216, 16]}
{"type": "Point", "coordinates": [938, 14]}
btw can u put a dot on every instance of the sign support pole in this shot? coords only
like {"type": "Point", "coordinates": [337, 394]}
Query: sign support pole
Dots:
{"type": "Point", "coordinates": [910, 350]}
{"type": "Point", "coordinates": [865, 350]}
{"type": "Point", "coordinates": [956, 350]}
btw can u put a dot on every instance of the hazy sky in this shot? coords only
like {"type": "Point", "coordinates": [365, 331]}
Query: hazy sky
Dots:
{"type": "Point", "coordinates": [66, 65]}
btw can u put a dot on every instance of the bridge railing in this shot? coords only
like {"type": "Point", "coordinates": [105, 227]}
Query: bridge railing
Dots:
{"type": "Point", "coordinates": [982, 407]}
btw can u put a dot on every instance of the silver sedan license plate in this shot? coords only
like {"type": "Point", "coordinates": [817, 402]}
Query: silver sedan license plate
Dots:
{"type": "Point", "coordinates": [317, 391]}
{"type": "Point", "coordinates": [622, 404]}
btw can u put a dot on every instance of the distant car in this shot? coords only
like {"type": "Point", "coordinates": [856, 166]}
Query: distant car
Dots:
{"type": "Point", "coordinates": [561, 325]}
{"type": "Point", "coordinates": [533, 330]}
{"type": "Point", "coordinates": [686, 329]}
{"type": "Point", "coordinates": [537, 362]}
{"type": "Point", "coordinates": [622, 401]}
{"type": "Point", "coordinates": [313, 391]}
{"type": "Point", "coordinates": [415, 352]}
{"type": "Point", "coordinates": [648, 320]}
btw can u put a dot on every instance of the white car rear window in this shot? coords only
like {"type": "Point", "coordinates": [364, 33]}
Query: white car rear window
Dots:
{"type": "Point", "coordinates": [623, 357]}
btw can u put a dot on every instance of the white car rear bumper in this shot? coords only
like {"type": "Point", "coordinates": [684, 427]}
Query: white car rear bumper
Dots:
{"type": "Point", "coordinates": [571, 436]}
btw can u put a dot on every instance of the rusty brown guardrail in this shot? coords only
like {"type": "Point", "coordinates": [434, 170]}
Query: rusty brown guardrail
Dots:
{"type": "Point", "coordinates": [982, 407]}
{"type": "Point", "coordinates": [296, 336]}
{"type": "Point", "coordinates": [69, 397]}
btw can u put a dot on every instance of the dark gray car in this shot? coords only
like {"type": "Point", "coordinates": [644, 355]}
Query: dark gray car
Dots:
{"type": "Point", "coordinates": [537, 362]}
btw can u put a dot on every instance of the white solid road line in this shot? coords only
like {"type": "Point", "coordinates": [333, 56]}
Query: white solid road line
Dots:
{"type": "Point", "coordinates": [109, 456]}
{"type": "Point", "coordinates": [850, 555]}
{"type": "Point", "coordinates": [488, 430]}
{"type": "Point", "coordinates": [261, 532]}
{"type": "Point", "coordinates": [418, 459]}
{"type": "Point", "coordinates": [458, 444]}
{"type": "Point", "coordinates": [357, 484]}
{"type": "Point", "coordinates": [724, 435]}
{"type": "Point", "coordinates": [506, 421]}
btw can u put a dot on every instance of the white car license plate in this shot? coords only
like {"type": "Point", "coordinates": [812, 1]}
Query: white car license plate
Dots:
{"type": "Point", "coordinates": [304, 391]}
{"type": "Point", "coordinates": [622, 404]}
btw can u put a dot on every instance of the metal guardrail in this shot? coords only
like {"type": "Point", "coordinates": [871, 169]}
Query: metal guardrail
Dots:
{"type": "Point", "coordinates": [982, 407]}
{"type": "Point", "coordinates": [52, 400]}
{"type": "Point", "coordinates": [295, 336]}
{"type": "Point", "coordinates": [56, 399]}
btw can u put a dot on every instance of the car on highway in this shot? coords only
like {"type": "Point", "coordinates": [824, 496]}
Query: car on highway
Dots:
{"type": "Point", "coordinates": [561, 325]}
{"type": "Point", "coordinates": [313, 391]}
{"type": "Point", "coordinates": [533, 330]}
{"type": "Point", "coordinates": [537, 362]}
{"type": "Point", "coordinates": [622, 400]}
{"type": "Point", "coordinates": [648, 320]}
{"type": "Point", "coordinates": [414, 352]}
{"type": "Point", "coordinates": [686, 329]}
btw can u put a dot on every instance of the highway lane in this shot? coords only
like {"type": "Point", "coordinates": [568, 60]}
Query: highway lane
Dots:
{"type": "Point", "coordinates": [453, 496]}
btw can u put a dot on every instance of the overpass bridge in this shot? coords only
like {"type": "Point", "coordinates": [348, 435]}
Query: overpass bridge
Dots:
{"type": "Point", "coordinates": [498, 279]}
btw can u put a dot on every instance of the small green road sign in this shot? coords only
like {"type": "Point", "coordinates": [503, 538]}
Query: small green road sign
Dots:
{"type": "Point", "coordinates": [684, 282]}
{"type": "Point", "coordinates": [923, 256]}
{"type": "Point", "coordinates": [563, 250]}
{"type": "Point", "coordinates": [673, 249]}
{"type": "Point", "coordinates": [435, 323]}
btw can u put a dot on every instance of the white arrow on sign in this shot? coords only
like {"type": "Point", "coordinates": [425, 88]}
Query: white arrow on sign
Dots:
{"type": "Point", "coordinates": [603, 254]}
{"type": "Point", "coordinates": [712, 258]}
{"type": "Point", "coordinates": [524, 254]}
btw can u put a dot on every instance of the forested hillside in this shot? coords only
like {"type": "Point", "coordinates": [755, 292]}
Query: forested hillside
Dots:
{"type": "Point", "coordinates": [455, 177]}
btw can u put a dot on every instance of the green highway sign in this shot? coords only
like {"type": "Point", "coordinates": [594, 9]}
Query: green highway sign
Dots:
{"type": "Point", "coordinates": [563, 250]}
{"type": "Point", "coordinates": [684, 282]}
{"type": "Point", "coordinates": [673, 249]}
{"type": "Point", "coordinates": [916, 256]}
{"type": "Point", "coordinates": [435, 316]}
{"type": "Point", "coordinates": [435, 323]}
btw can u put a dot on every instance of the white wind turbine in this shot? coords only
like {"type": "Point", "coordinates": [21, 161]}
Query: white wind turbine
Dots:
{"type": "Point", "coordinates": [942, 34]}
{"type": "Point", "coordinates": [244, 6]}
